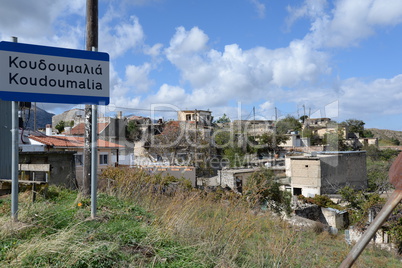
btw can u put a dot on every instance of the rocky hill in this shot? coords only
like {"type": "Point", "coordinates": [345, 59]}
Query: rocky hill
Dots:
{"type": "Point", "coordinates": [385, 134]}
{"type": "Point", "coordinates": [42, 118]}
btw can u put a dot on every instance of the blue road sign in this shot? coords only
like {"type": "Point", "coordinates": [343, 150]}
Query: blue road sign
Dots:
{"type": "Point", "coordinates": [50, 74]}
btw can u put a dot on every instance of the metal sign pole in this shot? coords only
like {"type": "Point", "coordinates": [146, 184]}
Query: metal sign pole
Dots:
{"type": "Point", "coordinates": [14, 156]}
{"type": "Point", "coordinates": [94, 160]}
{"type": "Point", "coordinates": [14, 160]}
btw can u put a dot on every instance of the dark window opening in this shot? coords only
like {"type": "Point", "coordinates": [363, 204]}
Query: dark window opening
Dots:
{"type": "Point", "coordinates": [239, 185]}
{"type": "Point", "coordinates": [297, 191]}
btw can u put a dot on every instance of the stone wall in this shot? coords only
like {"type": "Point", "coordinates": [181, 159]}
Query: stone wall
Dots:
{"type": "Point", "coordinates": [328, 216]}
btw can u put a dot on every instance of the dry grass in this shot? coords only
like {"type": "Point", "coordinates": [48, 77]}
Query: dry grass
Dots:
{"type": "Point", "coordinates": [226, 233]}
{"type": "Point", "coordinates": [151, 225]}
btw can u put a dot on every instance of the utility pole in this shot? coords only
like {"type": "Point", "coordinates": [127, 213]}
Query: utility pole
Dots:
{"type": "Point", "coordinates": [254, 121]}
{"type": "Point", "coordinates": [276, 119]}
{"type": "Point", "coordinates": [195, 147]}
{"type": "Point", "coordinates": [274, 138]}
{"type": "Point", "coordinates": [34, 116]}
{"type": "Point", "coordinates": [91, 42]}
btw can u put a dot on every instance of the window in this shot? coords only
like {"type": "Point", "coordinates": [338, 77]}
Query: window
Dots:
{"type": "Point", "coordinates": [78, 160]}
{"type": "Point", "coordinates": [297, 191]}
{"type": "Point", "coordinates": [103, 159]}
{"type": "Point", "coordinates": [188, 117]}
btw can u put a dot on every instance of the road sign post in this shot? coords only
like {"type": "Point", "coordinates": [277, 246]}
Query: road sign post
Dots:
{"type": "Point", "coordinates": [34, 73]}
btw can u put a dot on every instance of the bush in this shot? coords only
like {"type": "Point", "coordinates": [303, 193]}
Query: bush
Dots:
{"type": "Point", "coordinates": [261, 188]}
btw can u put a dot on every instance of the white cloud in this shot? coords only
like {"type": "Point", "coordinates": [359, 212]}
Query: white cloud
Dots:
{"type": "Point", "coordinates": [260, 8]}
{"type": "Point", "coordinates": [137, 77]}
{"type": "Point", "coordinates": [380, 97]}
{"type": "Point", "coordinates": [154, 50]}
{"type": "Point", "coordinates": [218, 77]}
{"type": "Point", "coordinates": [121, 37]}
{"type": "Point", "coordinates": [186, 42]}
{"type": "Point", "coordinates": [348, 22]}
{"type": "Point", "coordinates": [385, 12]}
{"type": "Point", "coordinates": [43, 22]}
{"type": "Point", "coordinates": [266, 106]}
{"type": "Point", "coordinates": [169, 94]}
{"type": "Point", "coordinates": [310, 8]}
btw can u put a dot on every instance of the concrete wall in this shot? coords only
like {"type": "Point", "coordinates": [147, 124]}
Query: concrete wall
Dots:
{"type": "Point", "coordinates": [345, 169]}
{"type": "Point", "coordinates": [327, 173]}
{"type": "Point", "coordinates": [381, 238]}
{"type": "Point", "coordinates": [234, 178]}
{"type": "Point", "coordinates": [62, 166]}
{"type": "Point", "coordinates": [327, 216]}
{"type": "Point", "coordinates": [306, 174]}
{"type": "Point", "coordinates": [336, 218]}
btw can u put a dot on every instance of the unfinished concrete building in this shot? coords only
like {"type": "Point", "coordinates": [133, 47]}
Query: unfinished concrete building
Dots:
{"type": "Point", "coordinates": [326, 172]}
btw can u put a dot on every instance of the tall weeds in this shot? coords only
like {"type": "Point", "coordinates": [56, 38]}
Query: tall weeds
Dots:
{"type": "Point", "coordinates": [154, 221]}
{"type": "Point", "coordinates": [221, 227]}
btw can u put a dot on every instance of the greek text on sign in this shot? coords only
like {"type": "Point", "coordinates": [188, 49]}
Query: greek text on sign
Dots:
{"type": "Point", "coordinates": [49, 74]}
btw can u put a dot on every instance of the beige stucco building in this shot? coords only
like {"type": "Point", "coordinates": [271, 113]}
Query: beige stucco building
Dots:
{"type": "Point", "coordinates": [200, 116]}
{"type": "Point", "coordinates": [326, 172]}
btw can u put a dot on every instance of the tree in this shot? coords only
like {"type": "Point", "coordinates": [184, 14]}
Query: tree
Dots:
{"type": "Point", "coordinates": [175, 139]}
{"type": "Point", "coordinates": [395, 141]}
{"type": "Point", "coordinates": [314, 138]}
{"type": "Point", "coordinates": [133, 131]}
{"type": "Point", "coordinates": [60, 126]}
{"type": "Point", "coordinates": [354, 126]}
{"type": "Point", "coordinates": [368, 134]}
{"type": "Point", "coordinates": [223, 119]}
{"type": "Point", "coordinates": [288, 124]}
{"type": "Point", "coordinates": [271, 142]}
{"type": "Point", "coordinates": [230, 146]}
{"type": "Point", "coordinates": [303, 118]}
{"type": "Point", "coordinates": [378, 164]}
{"type": "Point", "coordinates": [261, 188]}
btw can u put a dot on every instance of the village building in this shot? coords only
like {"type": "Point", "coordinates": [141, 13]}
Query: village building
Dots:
{"type": "Point", "coordinates": [317, 122]}
{"type": "Point", "coordinates": [107, 151]}
{"type": "Point", "coordinates": [295, 140]}
{"type": "Point", "coordinates": [196, 120]}
{"type": "Point", "coordinates": [326, 172]}
{"type": "Point", "coordinates": [200, 116]}
{"type": "Point", "coordinates": [234, 178]}
{"type": "Point", "coordinates": [254, 127]}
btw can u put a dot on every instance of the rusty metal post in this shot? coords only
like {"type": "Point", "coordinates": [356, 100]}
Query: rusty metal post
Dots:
{"type": "Point", "coordinates": [392, 202]}
{"type": "Point", "coordinates": [395, 177]}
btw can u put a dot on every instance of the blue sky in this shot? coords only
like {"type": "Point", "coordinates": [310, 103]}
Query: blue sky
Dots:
{"type": "Point", "coordinates": [338, 59]}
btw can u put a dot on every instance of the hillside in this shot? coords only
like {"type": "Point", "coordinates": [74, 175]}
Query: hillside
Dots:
{"type": "Point", "coordinates": [149, 228]}
{"type": "Point", "coordinates": [385, 134]}
{"type": "Point", "coordinates": [42, 118]}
